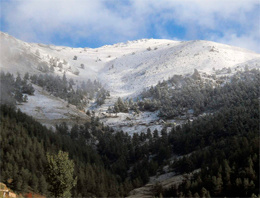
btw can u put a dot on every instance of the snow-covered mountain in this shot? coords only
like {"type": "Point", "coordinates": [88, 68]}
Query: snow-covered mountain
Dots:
{"type": "Point", "coordinates": [125, 69]}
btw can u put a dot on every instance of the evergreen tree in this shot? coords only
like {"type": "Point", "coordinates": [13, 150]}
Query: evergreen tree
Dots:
{"type": "Point", "coordinates": [43, 186]}
{"type": "Point", "coordinates": [60, 174]}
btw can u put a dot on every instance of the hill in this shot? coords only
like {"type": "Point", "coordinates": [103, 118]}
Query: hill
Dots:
{"type": "Point", "coordinates": [124, 69]}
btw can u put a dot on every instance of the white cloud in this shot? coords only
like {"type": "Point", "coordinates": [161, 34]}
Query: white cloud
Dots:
{"type": "Point", "coordinates": [245, 41]}
{"type": "Point", "coordinates": [228, 21]}
{"type": "Point", "coordinates": [115, 21]}
{"type": "Point", "coordinates": [74, 18]}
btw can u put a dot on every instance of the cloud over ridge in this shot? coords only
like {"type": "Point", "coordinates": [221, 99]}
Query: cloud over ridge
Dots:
{"type": "Point", "coordinates": [106, 22]}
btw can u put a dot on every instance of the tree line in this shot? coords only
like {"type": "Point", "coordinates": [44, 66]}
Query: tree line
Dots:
{"type": "Point", "coordinates": [223, 146]}
{"type": "Point", "coordinates": [14, 89]}
{"type": "Point", "coordinates": [181, 95]}
{"type": "Point", "coordinates": [78, 95]}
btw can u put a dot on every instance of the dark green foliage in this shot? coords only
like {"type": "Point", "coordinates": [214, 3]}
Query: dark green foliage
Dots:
{"type": "Point", "coordinates": [102, 94]}
{"type": "Point", "coordinates": [227, 168]}
{"type": "Point", "coordinates": [224, 146]}
{"type": "Point", "coordinates": [13, 89]}
{"type": "Point", "coordinates": [65, 89]}
{"type": "Point", "coordinates": [178, 95]}
{"type": "Point", "coordinates": [60, 174]}
{"type": "Point", "coordinates": [101, 170]}
{"type": "Point", "coordinates": [209, 129]}
{"type": "Point", "coordinates": [226, 149]}
{"type": "Point", "coordinates": [24, 144]}
{"type": "Point", "coordinates": [120, 106]}
{"type": "Point", "coordinates": [62, 128]}
{"type": "Point", "coordinates": [42, 188]}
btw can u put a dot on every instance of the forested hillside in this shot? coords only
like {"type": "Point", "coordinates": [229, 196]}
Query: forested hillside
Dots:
{"type": "Point", "coordinates": [223, 147]}
{"type": "Point", "coordinates": [24, 144]}
{"type": "Point", "coordinates": [15, 89]}
{"type": "Point", "coordinates": [193, 95]}
{"type": "Point", "coordinates": [102, 157]}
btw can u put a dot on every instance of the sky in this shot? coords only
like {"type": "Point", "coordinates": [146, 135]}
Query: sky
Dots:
{"type": "Point", "coordinates": [94, 23]}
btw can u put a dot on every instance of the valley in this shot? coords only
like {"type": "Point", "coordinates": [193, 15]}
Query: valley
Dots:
{"type": "Point", "coordinates": [145, 118]}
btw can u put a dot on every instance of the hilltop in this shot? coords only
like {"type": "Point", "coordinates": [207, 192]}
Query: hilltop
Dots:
{"type": "Point", "coordinates": [124, 69]}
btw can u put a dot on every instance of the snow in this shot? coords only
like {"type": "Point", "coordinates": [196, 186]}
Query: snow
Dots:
{"type": "Point", "coordinates": [51, 110]}
{"type": "Point", "coordinates": [131, 123]}
{"type": "Point", "coordinates": [125, 69]}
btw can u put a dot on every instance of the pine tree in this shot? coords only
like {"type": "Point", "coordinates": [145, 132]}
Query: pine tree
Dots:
{"type": "Point", "coordinates": [74, 132]}
{"type": "Point", "coordinates": [121, 105]}
{"type": "Point", "coordinates": [116, 109]}
{"type": "Point", "coordinates": [34, 182]}
{"type": "Point", "coordinates": [64, 78]}
{"type": "Point", "coordinates": [18, 96]}
{"type": "Point", "coordinates": [196, 75]}
{"type": "Point", "coordinates": [155, 133]}
{"type": "Point", "coordinates": [26, 76]}
{"type": "Point", "coordinates": [18, 184]}
{"type": "Point", "coordinates": [227, 171]}
{"type": "Point", "coordinates": [60, 174]}
{"type": "Point", "coordinates": [43, 185]}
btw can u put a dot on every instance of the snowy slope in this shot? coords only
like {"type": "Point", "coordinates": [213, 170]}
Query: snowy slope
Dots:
{"type": "Point", "coordinates": [146, 68]}
{"type": "Point", "coordinates": [125, 69]}
{"type": "Point", "coordinates": [50, 110]}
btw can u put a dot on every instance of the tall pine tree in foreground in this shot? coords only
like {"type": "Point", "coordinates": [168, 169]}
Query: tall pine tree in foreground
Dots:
{"type": "Point", "coordinates": [60, 174]}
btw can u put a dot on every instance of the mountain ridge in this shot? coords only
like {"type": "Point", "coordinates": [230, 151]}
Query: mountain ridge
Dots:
{"type": "Point", "coordinates": [138, 61]}
{"type": "Point", "coordinates": [125, 69]}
